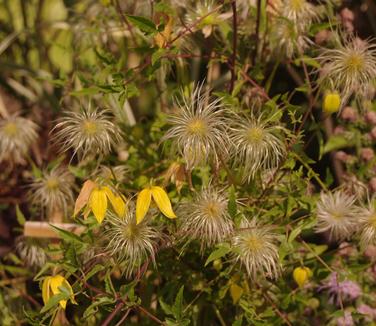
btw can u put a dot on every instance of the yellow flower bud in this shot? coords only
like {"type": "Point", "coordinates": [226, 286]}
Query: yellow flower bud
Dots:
{"type": "Point", "coordinates": [332, 103]}
{"type": "Point", "coordinates": [301, 275]}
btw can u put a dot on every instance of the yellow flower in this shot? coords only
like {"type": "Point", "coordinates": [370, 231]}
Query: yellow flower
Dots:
{"type": "Point", "coordinates": [332, 103]}
{"type": "Point", "coordinates": [94, 197]}
{"type": "Point", "coordinates": [301, 275]}
{"type": "Point", "coordinates": [52, 285]}
{"type": "Point", "coordinates": [160, 198]}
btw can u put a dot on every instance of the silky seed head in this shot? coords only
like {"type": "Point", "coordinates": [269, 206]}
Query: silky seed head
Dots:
{"type": "Point", "coordinates": [16, 136]}
{"type": "Point", "coordinates": [53, 190]}
{"type": "Point", "coordinates": [367, 227]}
{"type": "Point", "coordinates": [257, 145]}
{"type": "Point", "coordinates": [254, 247]}
{"type": "Point", "coordinates": [128, 242]}
{"type": "Point", "coordinates": [88, 132]}
{"type": "Point", "coordinates": [350, 67]}
{"type": "Point", "coordinates": [198, 130]}
{"type": "Point", "coordinates": [206, 218]}
{"type": "Point", "coordinates": [337, 214]}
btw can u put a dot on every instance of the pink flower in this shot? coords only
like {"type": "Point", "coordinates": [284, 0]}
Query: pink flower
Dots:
{"type": "Point", "coordinates": [347, 15]}
{"type": "Point", "coordinates": [322, 36]}
{"type": "Point", "coordinates": [346, 320]}
{"type": "Point", "coordinates": [348, 113]}
{"type": "Point", "coordinates": [372, 184]}
{"type": "Point", "coordinates": [368, 311]}
{"type": "Point", "coordinates": [367, 154]}
{"type": "Point", "coordinates": [373, 133]}
{"type": "Point", "coordinates": [370, 117]}
{"type": "Point", "coordinates": [341, 156]}
{"type": "Point", "coordinates": [339, 130]}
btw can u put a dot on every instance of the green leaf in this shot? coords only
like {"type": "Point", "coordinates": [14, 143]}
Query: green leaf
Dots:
{"type": "Point", "coordinates": [336, 142]}
{"type": "Point", "coordinates": [66, 235]}
{"type": "Point", "coordinates": [20, 216]}
{"type": "Point", "coordinates": [218, 253]}
{"type": "Point", "coordinates": [165, 307]}
{"type": "Point", "coordinates": [144, 24]}
{"type": "Point", "coordinates": [178, 305]}
{"type": "Point", "coordinates": [93, 308]}
{"type": "Point", "coordinates": [54, 300]}
{"type": "Point", "coordinates": [231, 206]}
{"type": "Point", "coordinates": [97, 268]}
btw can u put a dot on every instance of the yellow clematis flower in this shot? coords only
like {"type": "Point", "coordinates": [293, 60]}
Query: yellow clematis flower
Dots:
{"type": "Point", "coordinates": [51, 286]}
{"type": "Point", "coordinates": [159, 196]}
{"type": "Point", "coordinates": [96, 197]}
{"type": "Point", "coordinates": [301, 275]}
{"type": "Point", "coordinates": [332, 102]}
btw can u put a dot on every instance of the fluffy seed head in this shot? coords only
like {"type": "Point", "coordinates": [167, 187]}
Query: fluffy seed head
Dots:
{"type": "Point", "coordinates": [199, 130]}
{"type": "Point", "coordinates": [87, 132]}
{"type": "Point", "coordinates": [116, 173]}
{"type": "Point", "coordinates": [206, 218]}
{"type": "Point", "coordinates": [53, 190]}
{"type": "Point", "coordinates": [349, 68]}
{"type": "Point", "coordinates": [337, 213]}
{"type": "Point", "coordinates": [367, 226]}
{"type": "Point", "coordinates": [16, 136]}
{"type": "Point", "coordinates": [287, 37]}
{"type": "Point", "coordinates": [300, 12]}
{"type": "Point", "coordinates": [257, 145]}
{"type": "Point", "coordinates": [128, 242]}
{"type": "Point", "coordinates": [31, 253]}
{"type": "Point", "coordinates": [254, 247]}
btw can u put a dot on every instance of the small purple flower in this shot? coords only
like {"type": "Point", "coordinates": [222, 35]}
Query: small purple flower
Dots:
{"type": "Point", "coordinates": [368, 311]}
{"type": "Point", "coordinates": [345, 290]}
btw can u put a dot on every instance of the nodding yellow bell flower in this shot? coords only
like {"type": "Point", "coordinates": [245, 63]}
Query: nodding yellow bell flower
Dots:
{"type": "Point", "coordinates": [52, 285]}
{"type": "Point", "coordinates": [159, 196]}
{"type": "Point", "coordinates": [95, 198]}
{"type": "Point", "coordinates": [332, 102]}
{"type": "Point", "coordinates": [301, 275]}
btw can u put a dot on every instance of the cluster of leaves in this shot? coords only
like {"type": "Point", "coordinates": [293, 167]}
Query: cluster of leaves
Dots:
{"type": "Point", "coordinates": [133, 58]}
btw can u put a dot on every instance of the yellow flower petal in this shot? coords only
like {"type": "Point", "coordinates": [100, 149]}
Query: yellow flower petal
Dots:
{"type": "Point", "coordinates": [301, 275]}
{"type": "Point", "coordinates": [143, 204]}
{"type": "Point", "coordinates": [332, 102]}
{"type": "Point", "coordinates": [98, 203]}
{"type": "Point", "coordinates": [46, 289]}
{"type": "Point", "coordinates": [59, 281]}
{"type": "Point", "coordinates": [236, 292]}
{"type": "Point", "coordinates": [163, 202]}
{"type": "Point", "coordinates": [117, 202]}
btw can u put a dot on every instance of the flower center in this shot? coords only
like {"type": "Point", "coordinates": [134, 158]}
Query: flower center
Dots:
{"type": "Point", "coordinates": [52, 183]}
{"type": "Point", "coordinates": [131, 231]}
{"type": "Point", "coordinates": [10, 129]}
{"type": "Point", "coordinates": [90, 127]}
{"type": "Point", "coordinates": [254, 243]}
{"type": "Point", "coordinates": [296, 5]}
{"type": "Point", "coordinates": [197, 127]}
{"type": "Point", "coordinates": [337, 215]}
{"type": "Point", "coordinates": [372, 221]}
{"type": "Point", "coordinates": [255, 135]}
{"type": "Point", "coordinates": [355, 62]}
{"type": "Point", "coordinates": [212, 209]}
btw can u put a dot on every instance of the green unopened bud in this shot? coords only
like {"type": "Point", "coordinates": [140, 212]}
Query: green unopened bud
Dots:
{"type": "Point", "coordinates": [332, 102]}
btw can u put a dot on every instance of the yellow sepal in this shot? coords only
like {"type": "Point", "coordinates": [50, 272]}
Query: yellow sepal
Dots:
{"type": "Point", "coordinates": [163, 202]}
{"type": "Point", "coordinates": [332, 102]}
{"type": "Point", "coordinates": [142, 204]}
{"type": "Point", "coordinates": [117, 202]}
{"type": "Point", "coordinates": [98, 203]}
{"type": "Point", "coordinates": [46, 289]}
{"type": "Point", "coordinates": [301, 275]}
